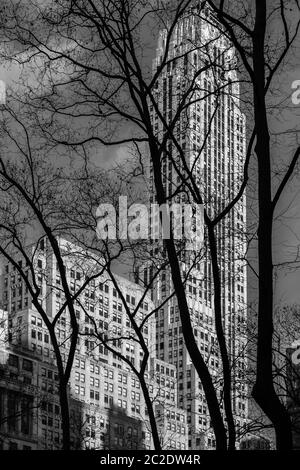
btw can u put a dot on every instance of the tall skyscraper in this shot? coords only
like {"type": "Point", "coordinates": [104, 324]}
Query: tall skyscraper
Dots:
{"type": "Point", "coordinates": [211, 133]}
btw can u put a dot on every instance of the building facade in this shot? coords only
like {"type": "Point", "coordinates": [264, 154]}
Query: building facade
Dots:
{"type": "Point", "coordinates": [292, 383]}
{"type": "Point", "coordinates": [255, 443]}
{"type": "Point", "coordinates": [107, 406]}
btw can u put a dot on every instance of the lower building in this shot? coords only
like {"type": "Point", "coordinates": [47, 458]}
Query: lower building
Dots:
{"type": "Point", "coordinates": [107, 407]}
{"type": "Point", "coordinates": [293, 393]}
{"type": "Point", "coordinates": [255, 443]}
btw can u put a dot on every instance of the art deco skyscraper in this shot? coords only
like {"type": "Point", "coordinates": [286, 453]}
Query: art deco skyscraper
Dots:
{"type": "Point", "coordinates": [211, 133]}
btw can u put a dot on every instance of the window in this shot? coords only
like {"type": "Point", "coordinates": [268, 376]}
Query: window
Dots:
{"type": "Point", "coordinates": [27, 365]}
{"type": "Point", "coordinates": [13, 360]}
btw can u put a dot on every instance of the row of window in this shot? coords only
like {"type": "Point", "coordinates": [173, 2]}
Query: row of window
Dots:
{"type": "Point", "coordinates": [49, 374]}
{"type": "Point", "coordinates": [174, 428]}
{"type": "Point", "coordinates": [163, 369]}
{"type": "Point", "coordinates": [39, 336]}
{"type": "Point", "coordinates": [15, 361]}
{"type": "Point", "coordinates": [14, 446]}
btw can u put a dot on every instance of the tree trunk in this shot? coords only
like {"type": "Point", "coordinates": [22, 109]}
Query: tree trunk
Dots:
{"type": "Point", "coordinates": [65, 415]}
{"type": "Point", "coordinates": [155, 436]}
{"type": "Point", "coordinates": [187, 329]}
{"type": "Point", "coordinates": [221, 339]}
{"type": "Point", "coordinates": [263, 391]}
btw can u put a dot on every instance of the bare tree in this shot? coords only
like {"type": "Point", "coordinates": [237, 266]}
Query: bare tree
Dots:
{"type": "Point", "coordinates": [32, 194]}
{"type": "Point", "coordinates": [126, 92]}
{"type": "Point", "coordinates": [136, 324]}
{"type": "Point", "coordinates": [263, 57]}
{"type": "Point", "coordinates": [98, 89]}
